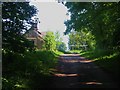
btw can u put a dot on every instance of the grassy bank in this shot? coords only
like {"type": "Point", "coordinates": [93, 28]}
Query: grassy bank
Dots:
{"type": "Point", "coordinates": [108, 60]}
{"type": "Point", "coordinates": [29, 70]}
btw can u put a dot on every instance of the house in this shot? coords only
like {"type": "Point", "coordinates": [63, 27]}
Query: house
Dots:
{"type": "Point", "coordinates": [35, 36]}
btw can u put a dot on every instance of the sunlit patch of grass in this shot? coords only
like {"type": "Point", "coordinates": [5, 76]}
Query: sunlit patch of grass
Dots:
{"type": "Point", "coordinates": [75, 51]}
{"type": "Point", "coordinates": [58, 53]}
{"type": "Point", "coordinates": [106, 57]}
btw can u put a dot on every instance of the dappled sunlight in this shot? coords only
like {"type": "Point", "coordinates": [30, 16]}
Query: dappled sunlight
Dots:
{"type": "Point", "coordinates": [74, 61]}
{"type": "Point", "coordinates": [86, 61]}
{"type": "Point", "coordinates": [87, 83]}
{"type": "Point", "coordinates": [73, 58]}
{"type": "Point", "coordinates": [106, 57]}
{"type": "Point", "coordinates": [66, 75]}
{"type": "Point", "coordinates": [92, 83]}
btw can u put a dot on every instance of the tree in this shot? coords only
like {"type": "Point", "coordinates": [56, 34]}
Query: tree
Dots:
{"type": "Point", "coordinates": [81, 40]}
{"type": "Point", "coordinates": [62, 47]}
{"type": "Point", "coordinates": [50, 43]}
{"type": "Point", "coordinates": [102, 19]}
{"type": "Point", "coordinates": [58, 40]}
{"type": "Point", "coordinates": [16, 18]}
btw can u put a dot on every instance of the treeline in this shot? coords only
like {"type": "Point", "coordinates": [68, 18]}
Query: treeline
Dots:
{"type": "Point", "coordinates": [100, 19]}
{"type": "Point", "coordinates": [82, 40]}
{"type": "Point", "coordinates": [54, 42]}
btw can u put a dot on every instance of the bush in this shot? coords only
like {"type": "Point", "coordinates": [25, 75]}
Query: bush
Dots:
{"type": "Point", "coordinates": [24, 69]}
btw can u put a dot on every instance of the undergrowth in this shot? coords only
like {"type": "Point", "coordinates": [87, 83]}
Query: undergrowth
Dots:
{"type": "Point", "coordinates": [28, 70]}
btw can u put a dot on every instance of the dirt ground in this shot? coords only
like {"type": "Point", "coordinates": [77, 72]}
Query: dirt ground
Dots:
{"type": "Point", "coordinates": [74, 71]}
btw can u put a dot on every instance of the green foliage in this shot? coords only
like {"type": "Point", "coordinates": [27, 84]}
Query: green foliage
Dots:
{"type": "Point", "coordinates": [94, 54]}
{"type": "Point", "coordinates": [27, 71]}
{"type": "Point", "coordinates": [110, 63]}
{"type": "Point", "coordinates": [58, 40]}
{"type": "Point", "coordinates": [62, 47]}
{"type": "Point", "coordinates": [75, 51]}
{"type": "Point", "coordinates": [50, 43]}
{"type": "Point", "coordinates": [16, 18]}
{"type": "Point", "coordinates": [82, 40]}
{"type": "Point", "coordinates": [102, 19]}
{"type": "Point", "coordinates": [59, 53]}
{"type": "Point", "coordinates": [107, 60]}
{"type": "Point", "coordinates": [54, 42]}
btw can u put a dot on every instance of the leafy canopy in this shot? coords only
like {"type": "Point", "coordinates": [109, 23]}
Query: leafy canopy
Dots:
{"type": "Point", "coordinates": [16, 18]}
{"type": "Point", "coordinates": [102, 19]}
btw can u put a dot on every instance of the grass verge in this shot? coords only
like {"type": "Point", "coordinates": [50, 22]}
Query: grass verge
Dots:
{"type": "Point", "coordinates": [107, 60]}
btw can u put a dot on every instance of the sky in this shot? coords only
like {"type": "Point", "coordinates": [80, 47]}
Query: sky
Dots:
{"type": "Point", "coordinates": [52, 16]}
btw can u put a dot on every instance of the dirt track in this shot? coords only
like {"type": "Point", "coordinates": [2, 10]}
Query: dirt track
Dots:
{"type": "Point", "coordinates": [74, 71]}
